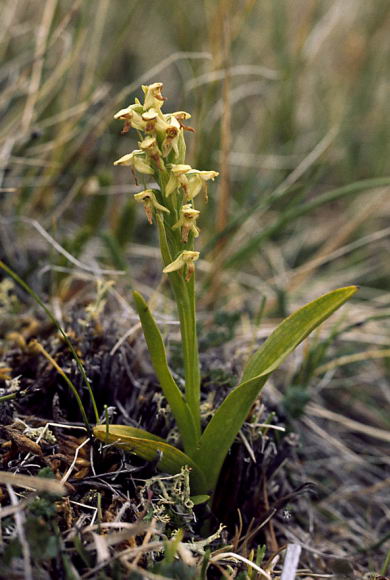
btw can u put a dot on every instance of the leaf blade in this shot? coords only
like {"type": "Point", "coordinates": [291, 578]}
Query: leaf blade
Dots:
{"type": "Point", "coordinates": [174, 396]}
{"type": "Point", "coordinates": [222, 429]}
{"type": "Point", "coordinates": [149, 446]}
{"type": "Point", "coordinates": [295, 328]}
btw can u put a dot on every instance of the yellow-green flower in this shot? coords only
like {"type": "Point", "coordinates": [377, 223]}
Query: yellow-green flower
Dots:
{"type": "Point", "coordinates": [177, 178]}
{"type": "Point", "coordinates": [171, 140]}
{"type": "Point", "coordinates": [187, 222]}
{"type": "Point", "coordinates": [181, 116]}
{"type": "Point", "coordinates": [197, 182]}
{"type": "Point", "coordinates": [137, 160]}
{"type": "Point", "coordinates": [185, 260]}
{"type": "Point", "coordinates": [153, 96]}
{"type": "Point", "coordinates": [132, 116]}
{"type": "Point", "coordinates": [148, 198]}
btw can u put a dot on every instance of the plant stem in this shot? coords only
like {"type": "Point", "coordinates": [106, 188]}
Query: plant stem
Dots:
{"type": "Point", "coordinates": [184, 293]}
{"type": "Point", "coordinates": [185, 300]}
{"type": "Point", "coordinates": [11, 396]}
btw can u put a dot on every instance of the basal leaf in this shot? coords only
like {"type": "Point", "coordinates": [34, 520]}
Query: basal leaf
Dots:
{"type": "Point", "coordinates": [119, 431]}
{"type": "Point", "coordinates": [286, 337]}
{"type": "Point", "coordinates": [199, 499]}
{"type": "Point", "coordinates": [150, 447]}
{"type": "Point", "coordinates": [174, 396]}
{"type": "Point", "coordinates": [228, 419]}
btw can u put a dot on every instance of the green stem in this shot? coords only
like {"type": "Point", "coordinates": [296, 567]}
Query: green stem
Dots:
{"type": "Point", "coordinates": [11, 396]}
{"type": "Point", "coordinates": [185, 300]}
{"type": "Point", "coordinates": [184, 293]}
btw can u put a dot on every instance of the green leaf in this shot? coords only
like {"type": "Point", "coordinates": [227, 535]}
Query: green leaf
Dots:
{"type": "Point", "coordinates": [228, 419]}
{"type": "Point", "coordinates": [174, 396]}
{"type": "Point", "coordinates": [199, 499]}
{"type": "Point", "coordinates": [286, 337]}
{"type": "Point", "coordinates": [152, 448]}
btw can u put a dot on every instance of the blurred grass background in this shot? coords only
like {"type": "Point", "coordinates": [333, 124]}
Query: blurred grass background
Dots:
{"type": "Point", "coordinates": [289, 102]}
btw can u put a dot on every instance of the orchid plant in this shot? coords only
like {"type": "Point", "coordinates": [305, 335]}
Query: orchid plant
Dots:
{"type": "Point", "coordinates": [171, 204]}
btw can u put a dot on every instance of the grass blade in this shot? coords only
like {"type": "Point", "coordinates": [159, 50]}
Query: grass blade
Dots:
{"type": "Point", "coordinates": [245, 251]}
{"type": "Point", "coordinates": [37, 299]}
